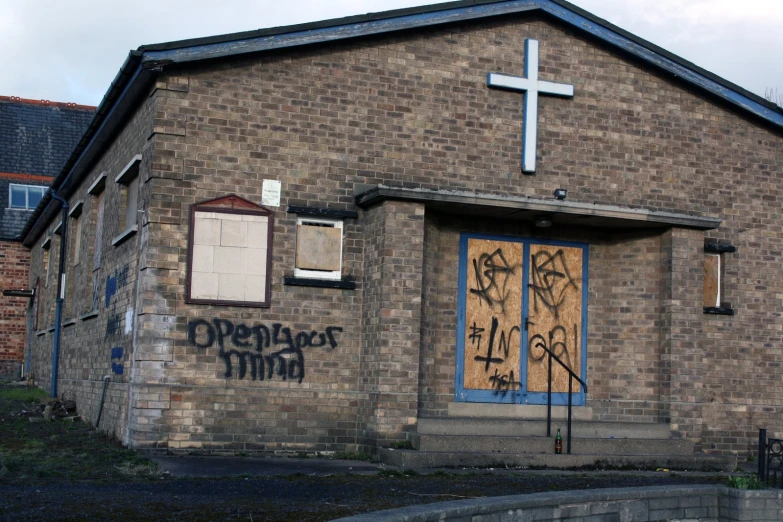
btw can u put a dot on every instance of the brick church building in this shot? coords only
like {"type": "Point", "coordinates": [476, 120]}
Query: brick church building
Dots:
{"type": "Point", "coordinates": [36, 137]}
{"type": "Point", "coordinates": [328, 237]}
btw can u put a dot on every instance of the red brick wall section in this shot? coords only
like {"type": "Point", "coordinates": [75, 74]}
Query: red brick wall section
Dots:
{"type": "Point", "coordinates": [14, 274]}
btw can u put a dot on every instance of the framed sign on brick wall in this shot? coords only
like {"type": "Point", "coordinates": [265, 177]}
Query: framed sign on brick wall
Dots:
{"type": "Point", "coordinates": [229, 253]}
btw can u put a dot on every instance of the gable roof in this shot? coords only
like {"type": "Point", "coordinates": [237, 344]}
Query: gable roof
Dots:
{"type": "Point", "coordinates": [143, 65]}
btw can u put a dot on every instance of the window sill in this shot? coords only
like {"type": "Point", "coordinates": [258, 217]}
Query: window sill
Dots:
{"type": "Point", "coordinates": [345, 284]}
{"type": "Point", "coordinates": [717, 310]}
{"type": "Point", "coordinates": [88, 315]}
{"type": "Point", "coordinates": [69, 322]}
{"type": "Point", "coordinates": [50, 329]}
{"type": "Point", "coordinates": [124, 235]}
{"type": "Point", "coordinates": [39, 333]}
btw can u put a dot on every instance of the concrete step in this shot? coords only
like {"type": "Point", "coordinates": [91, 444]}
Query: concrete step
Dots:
{"type": "Point", "coordinates": [516, 411]}
{"type": "Point", "coordinates": [412, 459]}
{"type": "Point", "coordinates": [526, 445]}
{"type": "Point", "coordinates": [505, 427]}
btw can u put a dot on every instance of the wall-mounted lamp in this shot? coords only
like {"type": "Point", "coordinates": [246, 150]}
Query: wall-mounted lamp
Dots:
{"type": "Point", "coordinates": [561, 194]}
{"type": "Point", "coordinates": [543, 221]}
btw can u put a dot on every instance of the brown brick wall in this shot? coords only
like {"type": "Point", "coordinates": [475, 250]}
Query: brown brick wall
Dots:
{"type": "Point", "coordinates": [99, 306]}
{"type": "Point", "coordinates": [413, 110]}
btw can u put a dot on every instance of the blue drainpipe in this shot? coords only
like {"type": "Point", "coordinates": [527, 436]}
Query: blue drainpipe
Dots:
{"type": "Point", "coordinates": [60, 291]}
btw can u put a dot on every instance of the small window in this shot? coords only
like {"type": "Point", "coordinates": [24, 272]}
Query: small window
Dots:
{"type": "Point", "coordinates": [26, 196]}
{"type": "Point", "coordinates": [229, 253]}
{"type": "Point", "coordinates": [712, 280]}
{"type": "Point", "coordinates": [46, 246]}
{"type": "Point", "coordinates": [129, 177]}
{"type": "Point", "coordinates": [715, 301]}
{"type": "Point", "coordinates": [75, 245]}
{"type": "Point", "coordinates": [319, 248]}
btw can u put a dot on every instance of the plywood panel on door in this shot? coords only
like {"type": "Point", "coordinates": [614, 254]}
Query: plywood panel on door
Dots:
{"type": "Point", "coordinates": [554, 314]}
{"type": "Point", "coordinates": [493, 312]}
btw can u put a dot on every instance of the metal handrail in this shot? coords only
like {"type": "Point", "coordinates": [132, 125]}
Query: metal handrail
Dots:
{"type": "Point", "coordinates": [571, 377]}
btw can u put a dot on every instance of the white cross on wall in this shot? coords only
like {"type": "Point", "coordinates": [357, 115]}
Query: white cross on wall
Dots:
{"type": "Point", "coordinates": [531, 86]}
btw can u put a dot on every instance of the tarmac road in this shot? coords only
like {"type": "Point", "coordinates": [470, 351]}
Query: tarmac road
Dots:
{"type": "Point", "coordinates": [286, 489]}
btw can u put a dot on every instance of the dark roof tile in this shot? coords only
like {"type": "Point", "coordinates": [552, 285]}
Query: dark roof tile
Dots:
{"type": "Point", "coordinates": [37, 137]}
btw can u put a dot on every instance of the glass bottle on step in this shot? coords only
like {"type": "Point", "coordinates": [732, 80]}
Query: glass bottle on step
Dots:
{"type": "Point", "coordinates": [558, 443]}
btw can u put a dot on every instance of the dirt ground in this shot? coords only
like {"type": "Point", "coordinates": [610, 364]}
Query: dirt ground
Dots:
{"type": "Point", "coordinates": [63, 470]}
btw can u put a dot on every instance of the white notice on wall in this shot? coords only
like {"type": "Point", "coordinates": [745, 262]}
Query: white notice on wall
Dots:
{"type": "Point", "coordinates": [128, 321]}
{"type": "Point", "coordinates": [270, 194]}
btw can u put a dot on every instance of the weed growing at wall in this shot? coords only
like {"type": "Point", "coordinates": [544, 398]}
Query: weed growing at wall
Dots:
{"type": "Point", "coordinates": [751, 482]}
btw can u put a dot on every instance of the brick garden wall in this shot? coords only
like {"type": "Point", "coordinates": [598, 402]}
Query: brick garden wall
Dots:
{"type": "Point", "coordinates": [413, 110]}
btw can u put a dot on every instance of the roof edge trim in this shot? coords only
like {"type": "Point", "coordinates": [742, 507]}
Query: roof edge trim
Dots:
{"type": "Point", "coordinates": [437, 14]}
{"type": "Point", "coordinates": [378, 193]}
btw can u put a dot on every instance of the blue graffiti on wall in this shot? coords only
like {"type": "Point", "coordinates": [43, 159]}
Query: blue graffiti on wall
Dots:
{"type": "Point", "coordinates": [119, 280]}
{"type": "Point", "coordinates": [117, 367]}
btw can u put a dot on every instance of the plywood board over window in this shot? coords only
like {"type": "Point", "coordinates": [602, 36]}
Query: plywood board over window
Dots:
{"type": "Point", "coordinates": [319, 245]}
{"type": "Point", "coordinates": [229, 253]}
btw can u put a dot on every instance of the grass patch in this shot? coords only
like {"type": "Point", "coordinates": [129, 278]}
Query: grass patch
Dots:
{"type": "Point", "coordinates": [747, 482]}
{"type": "Point", "coordinates": [59, 450]}
{"type": "Point", "coordinates": [353, 455]}
{"type": "Point", "coordinates": [23, 394]}
{"type": "Point", "coordinates": [439, 473]}
{"type": "Point", "coordinates": [406, 473]}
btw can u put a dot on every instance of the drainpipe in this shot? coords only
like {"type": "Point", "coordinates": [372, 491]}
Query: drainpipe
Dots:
{"type": "Point", "coordinates": [60, 291]}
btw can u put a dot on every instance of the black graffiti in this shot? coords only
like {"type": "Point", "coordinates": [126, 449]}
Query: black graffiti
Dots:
{"type": "Point", "coordinates": [492, 280]}
{"type": "Point", "coordinates": [288, 362]}
{"type": "Point", "coordinates": [551, 279]}
{"type": "Point", "coordinates": [557, 344]}
{"type": "Point", "coordinates": [504, 383]}
{"type": "Point", "coordinates": [475, 335]}
{"type": "Point", "coordinates": [503, 345]}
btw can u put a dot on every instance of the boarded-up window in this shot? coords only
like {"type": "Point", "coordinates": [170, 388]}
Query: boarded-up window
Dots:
{"type": "Point", "coordinates": [712, 280]}
{"type": "Point", "coordinates": [229, 253]}
{"type": "Point", "coordinates": [75, 239]}
{"type": "Point", "coordinates": [715, 258]}
{"type": "Point", "coordinates": [98, 245]}
{"type": "Point", "coordinates": [319, 245]}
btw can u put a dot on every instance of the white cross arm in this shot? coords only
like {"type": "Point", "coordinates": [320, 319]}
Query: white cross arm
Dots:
{"type": "Point", "coordinates": [517, 83]}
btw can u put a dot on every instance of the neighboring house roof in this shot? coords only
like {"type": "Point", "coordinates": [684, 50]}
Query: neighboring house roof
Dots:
{"type": "Point", "coordinates": [143, 65]}
{"type": "Point", "coordinates": [36, 137]}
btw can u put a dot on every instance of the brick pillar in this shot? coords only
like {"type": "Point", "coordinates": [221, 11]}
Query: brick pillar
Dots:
{"type": "Point", "coordinates": [393, 257]}
{"type": "Point", "coordinates": [682, 337]}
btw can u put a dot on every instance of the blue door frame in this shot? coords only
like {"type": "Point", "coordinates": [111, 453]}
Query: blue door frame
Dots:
{"type": "Point", "coordinates": [520, 395]}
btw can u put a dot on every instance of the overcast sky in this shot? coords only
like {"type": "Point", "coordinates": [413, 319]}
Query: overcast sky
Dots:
{"type": "Point", "coordinates": [70, 50]}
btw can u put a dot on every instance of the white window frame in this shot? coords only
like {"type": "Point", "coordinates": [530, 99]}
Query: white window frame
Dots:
{"type": "Point", "coordinates": [27, 188]}
{"type": "Point", "coordinates": [321, 274]}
